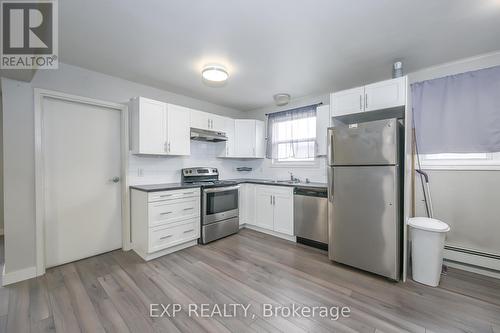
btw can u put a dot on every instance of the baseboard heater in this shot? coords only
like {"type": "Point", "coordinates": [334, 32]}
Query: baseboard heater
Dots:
{"type": "Point", "coordinates": [473, 252]}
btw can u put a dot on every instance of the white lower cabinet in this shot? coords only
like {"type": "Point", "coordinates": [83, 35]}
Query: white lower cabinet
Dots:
{"type": "Point", "coordinates": [164, 222]}
{"type": "Point", "coordinates": [265, 213]}
{"type": "Point", "coordinates": [247, 204]}
{"type": "Point", "coordinates": [274, 208]}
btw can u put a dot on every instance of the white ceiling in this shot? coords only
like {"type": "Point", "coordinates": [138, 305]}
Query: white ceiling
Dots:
{"type": "Point", "coordinates": [299, 47]}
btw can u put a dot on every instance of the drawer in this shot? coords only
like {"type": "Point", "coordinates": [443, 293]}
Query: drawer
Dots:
{"type": "Point", "coordinates": [173, 194]}
{"type": "Point", "coordinates": [169, 211]}
{"type": "Point", "coordinates": [163, 237]}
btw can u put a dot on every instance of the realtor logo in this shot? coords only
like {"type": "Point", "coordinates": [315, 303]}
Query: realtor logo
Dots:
{"type": "Point", "coordinates": [29, 34]}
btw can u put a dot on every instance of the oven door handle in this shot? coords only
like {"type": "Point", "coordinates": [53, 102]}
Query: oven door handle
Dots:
{"type": "Point", "coordinates": [221, 189]}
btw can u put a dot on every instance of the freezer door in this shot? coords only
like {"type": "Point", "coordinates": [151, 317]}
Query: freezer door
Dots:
{"type": "Point", "coordinates": [364, 228]}
{"type": "Point", "coordinates": [369, 143]}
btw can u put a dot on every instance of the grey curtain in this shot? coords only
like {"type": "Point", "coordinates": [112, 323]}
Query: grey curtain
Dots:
{"type": "Point", "coordinates": [292, 133]}
{"type": "Point", "coordinates": [458, 113]}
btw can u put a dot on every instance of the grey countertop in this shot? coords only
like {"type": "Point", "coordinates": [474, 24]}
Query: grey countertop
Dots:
{"type": "Point", "coordinates": [176, 186]}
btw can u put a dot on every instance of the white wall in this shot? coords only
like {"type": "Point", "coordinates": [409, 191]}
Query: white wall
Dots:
{"type": "Point", "coordinates": [265, 169]}
{"type": "Point", "coordinates": [466, 200]}
{"type": "Point", "coordinates": [18, 126]}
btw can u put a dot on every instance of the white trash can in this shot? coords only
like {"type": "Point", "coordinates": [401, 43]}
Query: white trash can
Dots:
{"type": "Point", "coordinates": [427, 246]}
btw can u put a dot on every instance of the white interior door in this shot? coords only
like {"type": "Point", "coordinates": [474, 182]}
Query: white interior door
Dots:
{"type": "Point", "coordinates": [81, 153]}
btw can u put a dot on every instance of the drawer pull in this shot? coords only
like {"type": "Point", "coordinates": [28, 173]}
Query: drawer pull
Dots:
{"type": "Point", "coordinates": [165, 213]}
{"type": "Point", "coordinates": [190, 230]}
{"type": "Point", "coordinates": [190, 208]}
{"type": "Point", "coordinates": [165, 195]}
{"type": "Point", "coordinates": [165, 237]}
{"type": "Point", "coordinates": [187, 193]}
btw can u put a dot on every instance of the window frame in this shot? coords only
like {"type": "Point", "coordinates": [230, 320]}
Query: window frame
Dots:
{"type": "Point", "coordinates": [314, 163]}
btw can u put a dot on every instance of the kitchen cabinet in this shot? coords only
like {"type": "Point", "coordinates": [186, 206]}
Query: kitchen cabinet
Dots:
{"type": "Point", "coordinates": [178, 132]}
{"type": "Point", "coordinates": [207, 121]}
{"type": "Point", "coordinates": [249, 138]}
{"type": "Point", "coordinates": [375, 96]}
{"type": "Point", "coordinates": [347, 101]}
{"type": "Point", "coordinates": [229, 145]}
{"type": "Point", "coordinates": [159, 128]}
{"type": "Point", "coordinates": [274, 208]}
{"type": "Point", "coordinates": [164, 222]}
{"type": "Point", "coordinates": [385, 94]}
{"type": "Point", "coordinates": [265, 213]}
{"type": "Point", "coordinates": [322, 124]}
{"type": "Point", "coordinates": [246, 204]}
{"type": "Point", "coordinates": [283, 211]}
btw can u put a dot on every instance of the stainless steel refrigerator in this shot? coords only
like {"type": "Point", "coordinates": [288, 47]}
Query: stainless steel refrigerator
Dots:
{"type": "Point", "coordinates": [364, 203]}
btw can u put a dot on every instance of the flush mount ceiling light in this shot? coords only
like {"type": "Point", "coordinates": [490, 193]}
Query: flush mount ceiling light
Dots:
{"type": "Point", "coordinates": [281, 99]}
{"type": "Point", "coordinates": [214, 73]}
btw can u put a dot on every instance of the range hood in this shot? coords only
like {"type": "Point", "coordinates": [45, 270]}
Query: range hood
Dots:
{"type": "Point", "coordinates": [207, 135]}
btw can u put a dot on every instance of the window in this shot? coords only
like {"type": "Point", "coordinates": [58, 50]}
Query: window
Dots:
{"type": "Point", "coordinates": [292, 137]}
{"type": "Point", "coordinates": [464, 161]}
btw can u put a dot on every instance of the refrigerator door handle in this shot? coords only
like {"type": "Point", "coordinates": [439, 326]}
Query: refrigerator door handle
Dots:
{"type": "Point", "coordinates": [330, 184]}
{"type": "Point", "coordinates": [330, 146]}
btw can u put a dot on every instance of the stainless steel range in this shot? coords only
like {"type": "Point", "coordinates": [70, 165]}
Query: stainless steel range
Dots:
{"type": "Point", "coordinates": [219, 203]}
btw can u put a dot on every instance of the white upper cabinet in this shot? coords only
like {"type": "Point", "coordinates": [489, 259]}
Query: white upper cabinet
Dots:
{"type": "Point", "coordinates": [148, 130]}
{"type": "Point", "coordinates": [347, 101]}
{"type": "Point", "coordinates": [200, 119]}
{"type": "Point", "coordinates": [159, 128]}
{"type": "Point", "coordinates": [178, 131]}
{"type": "Point", "coordinates": [385, 94]}
{"type": "Point", "coordinates": [249, 138]}
{"type": "Point", "coordinates": [217, 123]}
{"type": "Point", "coordinates": [230, 143]}
{"type": "Point", "coordinates": [322, 124]}
{"type": "Point", "coordinates": [207, 121]}
{"type": "Point", "coordinates": [376, 96]}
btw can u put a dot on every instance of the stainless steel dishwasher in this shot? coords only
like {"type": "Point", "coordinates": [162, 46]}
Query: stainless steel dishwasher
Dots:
{"type": "Point", "coordinates": [310, 215]}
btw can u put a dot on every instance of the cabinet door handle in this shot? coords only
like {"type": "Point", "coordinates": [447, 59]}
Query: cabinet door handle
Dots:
{"type": "Point", "coordinates": [165, 237]}
{"type": "Point", "coordinates": [360, 102]}
{"type": "Point", "coordinates": [165, 213]}
{"type": "Point", "coordinates": [190, 230]}
{"type": "Point", "coordinates": [366, 101]}
{"type": "Point", "coordinates": [227, 151]}
{"type": "Point", "coordinates": [253, 151]}
{"type": "Point", "coordinates": [274, 200]}
{"type": "Point", "coordinates": [271, 199]}
{"type": "Point", "coordinates": [190, 208]}
{"type": "Point", "coordinates": [187, 193]}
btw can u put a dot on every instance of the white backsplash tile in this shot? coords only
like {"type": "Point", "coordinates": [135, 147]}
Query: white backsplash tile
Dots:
{"type": "Point", "coordinates": [157, 170]}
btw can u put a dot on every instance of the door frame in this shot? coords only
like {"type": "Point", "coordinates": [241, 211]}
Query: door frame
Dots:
{"type": "Point", "coordinates": [39, 96]}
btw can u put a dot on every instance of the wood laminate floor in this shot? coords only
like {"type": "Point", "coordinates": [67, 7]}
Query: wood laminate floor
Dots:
{"type": "Point", "coordinates": [113, 291]}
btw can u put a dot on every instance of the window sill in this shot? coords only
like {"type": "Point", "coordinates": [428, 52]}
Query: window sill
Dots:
{"type": "Point", "coordinates": [310, 165]}
{"type": "Point", "coordinates": [462, 166]}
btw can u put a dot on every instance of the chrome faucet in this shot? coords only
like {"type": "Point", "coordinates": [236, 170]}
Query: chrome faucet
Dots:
{"type": "Point", "coordinates": [293, 179]}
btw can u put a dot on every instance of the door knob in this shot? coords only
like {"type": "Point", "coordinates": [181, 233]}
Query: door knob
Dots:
{"type": "Point", "coordinates": [115, 179]}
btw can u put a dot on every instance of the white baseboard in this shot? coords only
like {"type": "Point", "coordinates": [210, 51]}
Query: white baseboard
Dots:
{"type": "Point", "coordinates": [20, 275]}
{"type": "Point", "coordinates": [472, 262]}
{"type": "Point", "coordinates": [473, 269]}
{"type": "Point", "coordinates": [270, 232]}
{"type": "Point", "coordinates": [151, 256]}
